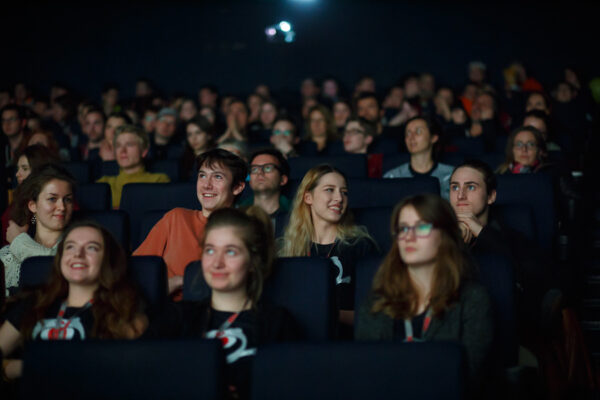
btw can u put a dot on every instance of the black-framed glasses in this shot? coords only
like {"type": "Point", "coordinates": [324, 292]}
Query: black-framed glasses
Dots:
{"type": "Point", "coordinates": [265, 168]}
{"type": "Point", "coordinates": [528, 145]}
{"type": "Point", "coordinates": [354, 132]}
{"type": "Point", "coordinates": [421, 230]}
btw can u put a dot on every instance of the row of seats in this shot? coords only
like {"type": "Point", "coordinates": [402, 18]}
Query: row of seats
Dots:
{"type": "Point", "coordinates": [305, 286]}
{"type": "Point", "coordinates": [527, 203]}
{"type": "Point", "coordinates": [193, 369]}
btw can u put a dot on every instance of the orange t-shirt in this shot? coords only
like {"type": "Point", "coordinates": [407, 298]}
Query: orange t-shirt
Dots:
{"type": "Point", "coordinates": [176, 238]}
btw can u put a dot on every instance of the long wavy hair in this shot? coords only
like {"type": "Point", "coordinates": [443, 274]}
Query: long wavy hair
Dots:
{"type": "Point", "coordinates": [394, 290]}
{"type": "Point", "coordinates": [117, 306]}
{"type": "Point", "coordinates": [300, 231]}
{"type": "Point", "coordinates": [509, 155]}
{"type": "Point", "coordinates": [254, 228]}
{"type": "Point", "coordinates": [330, 129]}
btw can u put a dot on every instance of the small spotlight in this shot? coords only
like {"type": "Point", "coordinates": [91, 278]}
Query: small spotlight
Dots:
{"type": "Point", "coordinates": [271, 31]}
{"type": "Point", "coordinates": [285, 26]}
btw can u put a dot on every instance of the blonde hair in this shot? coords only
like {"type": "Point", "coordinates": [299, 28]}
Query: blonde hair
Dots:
{"type": "Point", "coordinates": [300, 230]}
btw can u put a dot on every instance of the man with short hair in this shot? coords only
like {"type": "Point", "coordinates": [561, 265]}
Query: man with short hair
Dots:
{"type": "Point", "coordinates": [177, 236]}
{"type": "Point", "coordinates": [284, 136]}
{"type": "Point", "coordinates": [130, 147]}
{"type": "Point", "coordinates": [237, 122]}
{"type": "Point", "coordinates": [269, 173]}
{"type": "Point", "coordinates": [358, 135]}
{"type": "Point", "coordinates": [367, 106]}
{"type": "Point", "coordinates": [208, 96]}
{"type": "Point", "coordinates": [93, 129]}
{"type": "Point", "coordinates": [161, 138]}
{"type": "Point", "coordinates": [13, 128]}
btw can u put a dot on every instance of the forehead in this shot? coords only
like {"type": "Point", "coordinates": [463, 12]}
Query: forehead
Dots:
{"type": "Point", "coordinates": [367, 102]}
{"type": "Point", "coordinates": [353, 125]}
{"type": "Point", "coordinates": [534, 121]}
{"type": "Point", "coordinates": [332, 178]}
{"type": "Point", "coordinates": [408, 214]}
{"type": "Point", "coordinates": [193, 127]}
{"type": "Point", "coordinates": [126, 137]}
{"type": "Point", "coordinates": [115, 120]}
{"type": "Point", "coordinates": [283, 125]}
{"type": "Point", "coordinates": [85, 233]}
{"type": "Point", "coordinates": [23, 160]}
{"type": "Point", "coordinates": [262, 159]}
{"type": "Point", "coordinates": [57, 186]}
{"type": "Point", "coordinates": [215, 167]}
{"type": "Point", "coordinates": [525, 135]}
{"type": "Point", "coordinates": [168, 118]}
{"type": "Point", "coordinates": [468, 174]}
{"type": "Point", "coordinates": [536, 98]}
{"type": "Point", "coordinates": [93, 116]}
{"type": "Point", "coordinates": [9, 113]}
{"type": "Point", "coordinates": [417, 123]}
{"type": "Point", "coordinates": [225, 236]}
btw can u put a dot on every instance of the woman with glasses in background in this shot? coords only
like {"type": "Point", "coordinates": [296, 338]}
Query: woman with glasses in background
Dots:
{"type": "Point", "coordinates": [421, 291]}
{"type": "Point", "coordinates": [525, 151]}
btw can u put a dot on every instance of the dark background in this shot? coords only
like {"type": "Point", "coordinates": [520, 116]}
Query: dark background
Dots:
{"type": "Point", "coordinates": [182, 45]}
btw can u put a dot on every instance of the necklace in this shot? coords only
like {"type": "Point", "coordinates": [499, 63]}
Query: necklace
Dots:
{"type": "Point", "coordinates": [328, 253]}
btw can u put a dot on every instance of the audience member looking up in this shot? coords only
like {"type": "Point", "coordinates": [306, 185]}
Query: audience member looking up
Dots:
{"type": "Point", "coordinates": [130, 147]}
{"type": "Point", "coordinates": [178, 235]}
{"type": "Point", "coordinates": [321, 225]}
{"type": "Point", "coordinates": [420, 292]}
{"type": "Point", "coordinates": [238, 255]}
{"type": "Point", "coordinates": [237, 122]}
{"type": "Point", "coordinates": [284, 137]}
{"type": "Point", "coordinates": [269, 173]}
{"type": "Point", "coordinates": [422, 136]}
{"type": "Point", "coordinates": [88, 296]}
{"type": "Point", "coordinates": [358, 135]}
{"type": "Point", "coordinates": [44, 200]}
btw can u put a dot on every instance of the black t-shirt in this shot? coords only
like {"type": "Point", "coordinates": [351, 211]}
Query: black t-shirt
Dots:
{"type": "Point", "coordinates": [417, 326]}
{"type": "Point", "coordinates": [239, 345]}
{"type": "Point", "coordinates": [343, 256]}
{"type": "Point", "coordinates": [76, 324]}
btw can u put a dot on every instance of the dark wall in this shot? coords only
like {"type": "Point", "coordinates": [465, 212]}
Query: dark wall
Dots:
{"type": "Point", "coordinates": [182, 45]}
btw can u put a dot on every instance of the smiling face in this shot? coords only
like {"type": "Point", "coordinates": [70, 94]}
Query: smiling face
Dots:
{"type": "Point", "coordinates": [525, 148]}
{"type": "Point", "coordinates": [23, 169]}
{"type": "Point", "coordinates": [414, 250]}
{"type": "Point", "coordinates": [196, 138]}
{"type": "Point", "coordinates": [468, 192]}
{"type": "Point", "coordinates": [225, 260]}
{"type": "Point", "coordinates": [329, 199]}
{"type": "Point", "coordinates": [54, 205]}
{"type": "Point", "coordinates": [83, 252]}
{"type": "Point", "coordinates": [417, 137]}
{"type": "Point", "coordinates": [214, 188]}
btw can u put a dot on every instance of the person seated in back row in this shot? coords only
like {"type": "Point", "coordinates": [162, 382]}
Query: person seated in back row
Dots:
{"type": "Point", "coordinates": [422, 136]}
{"type": "Point", "coordinates": [131, 146]}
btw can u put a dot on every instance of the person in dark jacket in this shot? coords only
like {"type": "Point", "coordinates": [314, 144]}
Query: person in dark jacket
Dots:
{"type": "Point", "coordinates": [420, 292]}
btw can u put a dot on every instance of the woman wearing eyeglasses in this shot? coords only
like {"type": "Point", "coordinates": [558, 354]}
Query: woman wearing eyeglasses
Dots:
{"type": "Point", "coordinates": [525, 151]}
{"type": "Point", "coordinates": [420, 292]}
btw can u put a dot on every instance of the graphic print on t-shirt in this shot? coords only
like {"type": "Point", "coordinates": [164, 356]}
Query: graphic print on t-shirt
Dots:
{"type": "Point", "coordinates": [232, 338]}
{"type": "Point", "coordinates": [340, 278]}
{"type": "Point", "coordinates": [49, 329]}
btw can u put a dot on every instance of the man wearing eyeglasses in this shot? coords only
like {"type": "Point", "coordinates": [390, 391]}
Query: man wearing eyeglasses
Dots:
{"type": "Point", "coordinates": [269, 172]}
{"type": "Point", "coordinates": [284, 138]}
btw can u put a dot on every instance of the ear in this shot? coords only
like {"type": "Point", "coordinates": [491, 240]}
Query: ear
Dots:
{"type": "Point", "coordinates": [308, 199]}
{"type": "Point", "coordinates": [296, 139]}
{"type": "Point", "coordinates": [145, 152]}
{"type": "Point", "coordinates": [435, 138]}
{"type": "Point", "coordinates": [32, 206]}
{"type": "Point", "coordinates": [283, 180]}
{"type": "Point", "coordinates": [238, 188]}
{"type": "Point", "coordinates": [368, 140]}
{"type": "Point", "coordinates": [492, 198]}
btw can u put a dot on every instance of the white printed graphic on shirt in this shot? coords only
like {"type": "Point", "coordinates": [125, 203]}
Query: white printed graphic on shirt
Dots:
{"type": "Point", "coordinates": [230, 337]}
{"type": "Point", "coordinates": [340, 278]}
{"type": "Point", "coordinates": [46, 329]}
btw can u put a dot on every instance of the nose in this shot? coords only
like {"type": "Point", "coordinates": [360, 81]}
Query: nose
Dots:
{"type": "Point", "coordinates": [410, 235]}
{"type": "Point", "coordinates": [60, 205]}
{"type": "Point", "coordinates": [462, 193]}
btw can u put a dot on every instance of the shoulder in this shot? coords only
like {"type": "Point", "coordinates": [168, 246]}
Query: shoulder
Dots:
{"type": "Point", "coordinates": [402, 171]}
{"type": "Point", "coordinates": [474, 293]}
{"type": "Point", "coordinates": [180, 213]}
{"type": "Point", "coordinates": [107, 179]}
{"type": "Point", "coordinates": [157, 177]}
{"type": "Point", "coordinates": [445, 168]}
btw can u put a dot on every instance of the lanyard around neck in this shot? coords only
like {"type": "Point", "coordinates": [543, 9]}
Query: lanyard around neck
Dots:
{"type": "Point", "coordinates": [229, 321]}
{"type": "Point", "coordinates": [408, 329]}
{"type": "Point", "coordinates": [60, 330]}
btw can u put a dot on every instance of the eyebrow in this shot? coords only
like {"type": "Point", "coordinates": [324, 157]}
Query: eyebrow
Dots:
{"type": "Point", "coordinates": [90, 242]}
{"type": "Point", "coordinates": [466, 183]}
{"type": "Point", "coordinates": [58, 195]}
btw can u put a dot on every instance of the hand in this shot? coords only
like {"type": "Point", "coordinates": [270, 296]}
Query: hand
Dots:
{"type": "Point", "coordinates": [467, 235]}
{"type": "Point", "coordinates": [469, 219]}
{"type": "Point", "coordinates": [13, 368]}
{"type": "Point", "coordinates": [14, 230]}
{"type": "Point", "coordinates": [175, 283]}
{"type": "Point", "coordinates": [282, 145]}
{"type": "Point", "coordinates": [476, 129]}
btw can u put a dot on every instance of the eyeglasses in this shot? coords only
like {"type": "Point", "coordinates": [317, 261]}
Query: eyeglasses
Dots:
{"type": "Point", "coordinates": [354, 132]}
{"type": "Point", "coordinates": [10, 119]}
{"type": "Point", "coordinates": [280, 132]}
{"type": "Point", "coordinates": [421, 230]}
{"type": "Point", "coordinates": [265, 168]}
{"type": "Point", "coordinates": [528, 145]}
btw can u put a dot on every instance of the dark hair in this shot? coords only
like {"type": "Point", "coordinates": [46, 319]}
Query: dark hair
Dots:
{"type": "Point", "coordinates": [14, 107]}
{"type": "Point", "coordinates": [65, 102]}
{"type": "Point", "coordinates": [237, 166]}
{"type": "Point", "coordinates": [366, 95]}
{"type": "Point", "coordinates": [541, 93]}
{"type": "Point", "coordinates": [116, 303]}
{"type": "Point", "coordinates": [284, 166]}
{"type": "Point", "coordinates": [395, 293]}
{"type": "Point", "coordinates": [539, 114]}
{"type": "Point", "coordinates": [288, 118]}
{"type": "Point", "coordinates": [255, 230]}
{"type": "Point", "coordinates": [110, 86]}
{"type": "Point", "coordinates": [435, 129]}
{"type": "Point", "coordinates": [38, 155]}
{"type": "Point", "coordinates": [98, 110]}
{"type": "Point", "coordinates": [369, 127]}
{"type": "Point", "coordinates": [122, 115]}
{"type": "Point", "coordinates": [32, 186]}
{"type": "Point", "coordinates": [203, 123]}
{"type": "Point", "coordinates": [489, 178]}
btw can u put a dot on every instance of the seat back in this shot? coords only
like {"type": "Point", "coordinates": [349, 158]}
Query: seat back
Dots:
{"type": "Point", "coordinates": [149, 273]}
{"type": "Point", "coordinates": [535, 190]}
{"type": "Point", "coordinates": [35, 271]}
{"type": "Point", "coordinates": [366, 268]}
{"type": "Point", "coordinates": [518, 217]}
{"type": "Point", "coordinates": [170, 167]}
{"type": "Point", "coordinates": [79, 169]}
{"type": "Point", "coordinates": [110, 369]}
{"type": "Point", "coordinates": [352, 165]}
{"type": "Point", "coordinates": [94, 197]}
{"type": "Point", "coordinates": [116, 221]}
{"type": "Point", "coordinates": [304, 286]}
{"type": "Point", "coordinates": [149, 219]}
{"type": "Point", "coordinates": [346, 370]}
{"type": "Point", "coordinates": [388, 192]}
{"type": "Point", "coordinates": [377, 222]}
